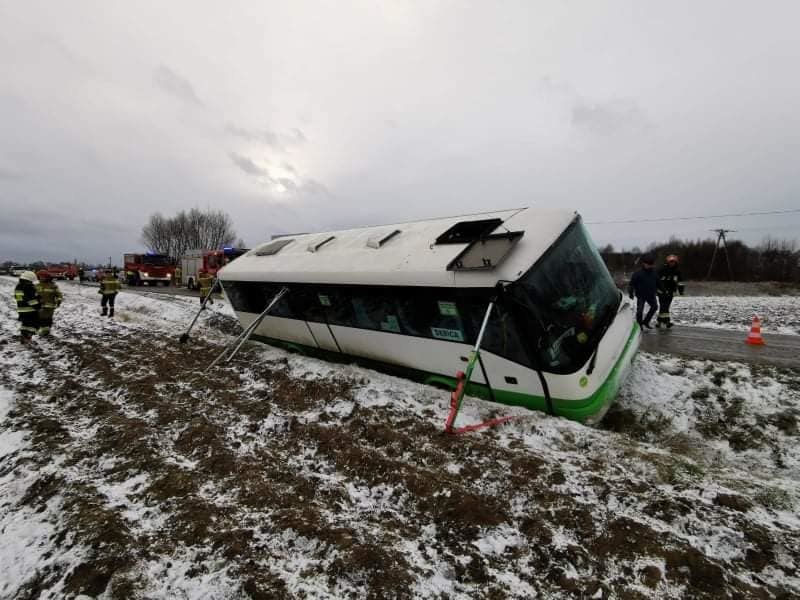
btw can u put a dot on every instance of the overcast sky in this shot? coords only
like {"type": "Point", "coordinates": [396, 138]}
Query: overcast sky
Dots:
{"type": "Point", "coordinates": [305, 116]}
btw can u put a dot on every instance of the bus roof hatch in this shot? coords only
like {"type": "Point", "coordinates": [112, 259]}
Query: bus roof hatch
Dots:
{"type": "Point", "coordinates": [486, 253]}
{"type": "Point", "coordinates": [465, 232]}
{"type": "Point", "coordinates": [272, 247]}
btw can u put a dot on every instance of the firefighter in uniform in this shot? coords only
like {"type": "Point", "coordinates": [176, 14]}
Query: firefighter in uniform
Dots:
{"type": "Point", "coordinates": [27, 298]}
{"type": "Point", "coordinates": [109, 288]}
{"type": "Point", "coordinates": [176, 278]}
{"type": "Point", "coordinates": [206, 282]}
{"type": "Point", "coordinates": [50, 298]}
{"type": "Point", "coordinates": [669, 282]}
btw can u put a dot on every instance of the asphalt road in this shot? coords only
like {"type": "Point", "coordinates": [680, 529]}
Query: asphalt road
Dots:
{"type": "Point", "coordinates": [145, 289]}
{"type": "Point", "coordinates": [724, 344]}
{"type": "Point", "coordinates": [688, 342]}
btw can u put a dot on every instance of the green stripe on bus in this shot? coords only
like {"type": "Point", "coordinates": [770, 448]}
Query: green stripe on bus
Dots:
{"type": "Point", "coordinates": [576, 410]}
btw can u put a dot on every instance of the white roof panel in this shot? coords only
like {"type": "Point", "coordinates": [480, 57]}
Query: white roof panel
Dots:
{"type": "Point", "coordinates": [409, 258]}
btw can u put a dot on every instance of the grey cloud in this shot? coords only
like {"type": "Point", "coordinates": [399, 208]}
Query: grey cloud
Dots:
{"type": "Point", "coordinates": [312, 186]}
{"type": "Point", "coordinates": [295, 136]}
{"type": "Point", "coordinates": [550, 85]}
{"type": "Point", "coordinates": [43, 221]}
{"type": "Point", "coordinates": [609, 118]}
{"type": "Point", "coordinates": [31, 232]}
{"type": "Point", "coordinates": [175, 85]}
{"type": "Point", "coordinates": [289, 184]}
{"type": "Point", "coordinates": [541, 121]}
{"type": "Point", "coordinates": [253, 135]}
{"type": "Point", "coordinates": [299, 136]}
{"type": "Point", "coordinates": [296, 184]}
{"type": "Point", "coordinates": [247, 165]}
{"type": "Point", "coordinates": [599, 118]}
{"type": "Point", "coordinates": [9, 174]}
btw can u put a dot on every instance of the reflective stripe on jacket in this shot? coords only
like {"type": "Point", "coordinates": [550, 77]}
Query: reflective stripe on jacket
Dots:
{"type": "Point", "coordinates": [26, 296]}
{"type": "Point", "coordinates": [49, 294]}
{"type": "Point", "coordinates": [109, 286]}
{"type": "Point", "coordinates": [669, 280]}
{"type": "Point", "coordinates": [205, 284]}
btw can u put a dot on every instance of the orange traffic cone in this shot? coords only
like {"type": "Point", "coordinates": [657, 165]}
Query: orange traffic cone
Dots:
{"type": "Point", "coordinates": [754, 337]}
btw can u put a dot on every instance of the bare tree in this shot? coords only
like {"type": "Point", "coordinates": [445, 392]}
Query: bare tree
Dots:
{"type": "Point", "coordinates": [194, 229]}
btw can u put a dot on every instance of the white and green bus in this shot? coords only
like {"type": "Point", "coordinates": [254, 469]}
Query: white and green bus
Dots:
{"type": "Point", "coordinates": [410, 298]}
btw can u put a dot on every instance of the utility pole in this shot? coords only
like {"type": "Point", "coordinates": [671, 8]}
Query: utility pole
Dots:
{"type": "Point", "coordinates": [721, 241]}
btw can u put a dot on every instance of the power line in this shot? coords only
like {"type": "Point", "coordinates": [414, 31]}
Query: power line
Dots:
{"type": "Point", "coordinates": [662, 219]}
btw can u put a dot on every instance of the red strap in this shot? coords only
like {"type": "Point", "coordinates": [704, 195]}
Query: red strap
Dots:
{"type": "Point", "coordinates": [485, 424]}
{"type": "Point", "coordinates": [455, 396]}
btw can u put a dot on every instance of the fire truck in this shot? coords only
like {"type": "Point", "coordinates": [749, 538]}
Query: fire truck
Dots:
{"type": "Point", "coordinates": [65, 271]}
{"type": "Point", "coordinates": [149, 268]}
{"type": "Point", "coordinates": [210, 261]}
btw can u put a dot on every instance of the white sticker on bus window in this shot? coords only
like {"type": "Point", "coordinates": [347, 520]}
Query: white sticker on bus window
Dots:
{"type": "Point", "coordinates": [451, 335]}
{"type": "Point", "coordinates": [324, 300]}
{"type": "Point", "coordinates": [448, 309]}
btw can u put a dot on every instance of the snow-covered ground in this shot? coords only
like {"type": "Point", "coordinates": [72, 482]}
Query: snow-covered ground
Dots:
{"type": "Point", "coordinates": [778, 314]}
{"type": "Point", "coordinates": [127, 470]}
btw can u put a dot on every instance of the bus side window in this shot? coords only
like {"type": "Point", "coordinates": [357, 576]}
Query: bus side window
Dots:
{"type": "Point", "coordinates": [362, 318]}
{"type": "Point", "coordinates": [375, 309]}
{"type": "Point", "coordinates": [246, 297]}
{"type": "Point", "coordinates": [283, 308]}
{"type": "Point", "coordinates": [338, 310]}
{"type": "Point", "coordinates": [447, 323]}
{"type": "Point", "coordinates": [415, 310]}
{"type": "Point", "coordinates": [304, 301]}
{"type": "Point", "coordinates": [502, 336]}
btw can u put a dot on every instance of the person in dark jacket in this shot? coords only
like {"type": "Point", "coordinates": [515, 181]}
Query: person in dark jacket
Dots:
{"type": "Point", "coordinates": [643, 285]}
{"type": "Point", "coordinates": [28, 303]}
{"type": "Point", "coordinates": [669, 282]}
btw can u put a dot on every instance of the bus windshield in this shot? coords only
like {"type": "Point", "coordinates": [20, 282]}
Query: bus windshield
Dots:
{"type": "Point", "coordinates": [566, 302]}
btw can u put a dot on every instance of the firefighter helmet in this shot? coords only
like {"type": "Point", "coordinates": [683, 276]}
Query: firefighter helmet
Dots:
{"type": "Point", "coordinates": [29, 276]}
{"type": "Point", "coordinates": [672, 258]}
{"type": "Point", "coordinates": [43, 275]}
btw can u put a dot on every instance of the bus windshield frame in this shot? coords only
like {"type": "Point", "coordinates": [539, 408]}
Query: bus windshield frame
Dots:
{"type": "Point", "coordinates": [565, 303]}
{"type": "Point", "coordinates": [157, 260]}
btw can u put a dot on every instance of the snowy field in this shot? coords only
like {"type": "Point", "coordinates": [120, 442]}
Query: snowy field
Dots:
{"type": "Point", "coordinates": [779, 314]}
{"type": "Point", "coordinates": [128, 471]}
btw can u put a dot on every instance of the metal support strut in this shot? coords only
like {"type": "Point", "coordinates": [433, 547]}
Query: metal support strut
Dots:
{"type": "Point", "coordinates": [185, 337]}
{"type": "Point", "coordinates": [462, 379]}
{"type": "Point", "coordinates": [245, 335]}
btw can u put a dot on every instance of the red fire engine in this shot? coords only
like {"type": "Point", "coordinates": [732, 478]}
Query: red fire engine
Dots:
{"type": "Point", "coordinates": [148, 268]}
{"type": "Point", "coordinates": [64, 271]}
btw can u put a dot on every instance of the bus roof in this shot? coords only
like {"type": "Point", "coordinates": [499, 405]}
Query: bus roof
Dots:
{"type": "Point", "coordinates": [406, 254]}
